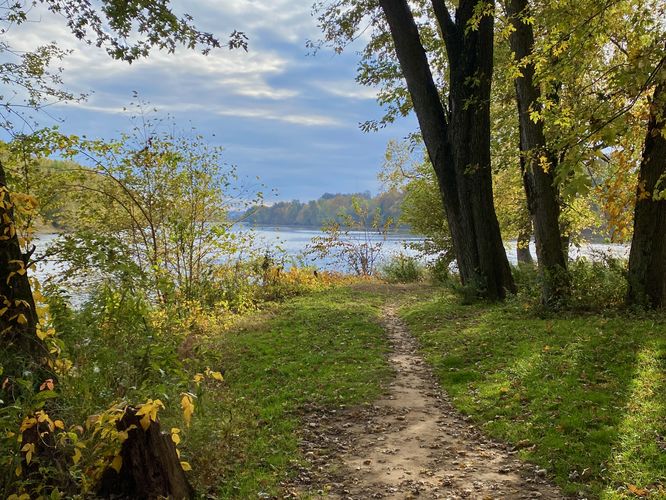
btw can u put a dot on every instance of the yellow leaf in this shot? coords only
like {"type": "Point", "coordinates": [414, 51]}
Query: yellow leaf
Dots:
{"type": "Point", "coordinates": [21, 319]}
{"type": "Point", "coordinates": [117, 463]}
{"type": "Point", "coordinates": [18, 471]}
{"type": "Point", "coordinates": [27, 423]}
{"type": "Point", "coordinates": [77, 455]}
{"type": "Point", "coordinates": [145, 422]}
{"type": "Point", "coordinates": [144, 408]}
{"type": "Point", "coordinates": [175, 431]}
{"type": "Point", "coordinates": [217, 376]}
{"type": "Point", "coordinates": [59, 424]}
{"type": "Point", "coordinates": [185, 466]}
{"type": "Point", "coordinates": [198, 378]}
{"type": "Point", "coordinates": [29, 449]}
{"type": "Point", "coordinates": [187, 405]}
{"type": "Point", "coordinates": [148, 412]}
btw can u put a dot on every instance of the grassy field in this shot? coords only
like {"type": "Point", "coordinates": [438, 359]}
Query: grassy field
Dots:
{"type": "Point", "coordinates": [321, 349]}
{"type": "Point", "coordinates": [582, 396]}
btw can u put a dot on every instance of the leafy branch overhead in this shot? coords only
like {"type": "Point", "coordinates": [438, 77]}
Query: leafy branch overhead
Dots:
{"type": "Point", "coordinates": [130, 29]}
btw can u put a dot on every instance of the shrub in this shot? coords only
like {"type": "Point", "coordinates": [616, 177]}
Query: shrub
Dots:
{"type": "Point", "coordinates": [440, 270]}
{"type": "Point", "coordinates": [402, 269]}
{"type": "Point", "coordinates": [528, 281]}
{"type": "Point", "coordinates": [356, 242]}
{"type": "Point", "coordinates": [598, 284]}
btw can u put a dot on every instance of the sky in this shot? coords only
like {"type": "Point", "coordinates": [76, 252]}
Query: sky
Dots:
{"type": "Point", "coordinates": [282, 114]}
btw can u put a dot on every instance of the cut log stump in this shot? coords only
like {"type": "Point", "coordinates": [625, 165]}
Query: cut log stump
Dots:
{"type": "Point", "coordinates": [150, 468]}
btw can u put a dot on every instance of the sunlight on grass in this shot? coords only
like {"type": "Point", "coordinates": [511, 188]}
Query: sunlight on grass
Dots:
{"type": "Point", "coordinates": [638, 460]}
{"type": "Point", "coordinates": [582, 396]}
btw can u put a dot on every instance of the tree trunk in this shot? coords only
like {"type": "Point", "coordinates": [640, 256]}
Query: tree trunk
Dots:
{"type": "Point", "coordinates": [538, 164]}
{"type": "Point", "coordinates": [647, 259]}
{"type": "Point", "coordinates": [150, 466]}
{"type": "Point", "coordinates": [23, 350]}
{"type": "Point", "coordinates": [458, 145]}
{"type": "Point", "coordinates": [523, 254]}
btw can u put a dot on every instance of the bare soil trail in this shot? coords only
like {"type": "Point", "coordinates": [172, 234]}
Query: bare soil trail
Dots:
{"type": "Point", "coordinates": [411, 443]}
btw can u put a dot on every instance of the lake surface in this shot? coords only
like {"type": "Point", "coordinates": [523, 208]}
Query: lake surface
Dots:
{"type": "Point", "coordinates": [292, 242]}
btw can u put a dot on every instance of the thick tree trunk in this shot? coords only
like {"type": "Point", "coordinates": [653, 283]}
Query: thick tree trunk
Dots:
{"type": "Point", "coordinates": [150, 466]}
{"type": "Point", "coordinates": [23, 350]}
{"type": "Point", "coordinates": [459, 150]}
{"type": "Point", "coordinates": [647, 259]}
{"type": "Point", "coordinates": [538, 164]}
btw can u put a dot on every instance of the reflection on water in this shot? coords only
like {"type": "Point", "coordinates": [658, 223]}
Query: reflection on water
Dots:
{"type": "Point", "coordinates": [292, 242]}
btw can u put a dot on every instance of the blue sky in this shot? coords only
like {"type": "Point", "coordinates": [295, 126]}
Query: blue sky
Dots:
{"type": "Point", "coordinates": [281, 114]}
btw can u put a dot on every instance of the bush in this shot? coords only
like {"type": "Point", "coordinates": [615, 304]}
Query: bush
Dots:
{"type": "Point", "coordinates": [440, 270]}
{"type": "Point", "coordinates": [528, 281]}
{"type": "Point", "coordinates": [402, 269]}
{"type": "Point", "coordinates": [595, 284]}
{"type": "Point", "coordinates": [598, 284]}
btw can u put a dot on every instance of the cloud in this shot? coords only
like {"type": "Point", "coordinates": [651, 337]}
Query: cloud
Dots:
{"type": "Point", "coordinates": [347, 89]}
{"type": "Point", "coordinates": [234, 72]}
{"type": "Point", "coordinates": [308, 120]}
{"type": "Point", "coordinates": [287, 20]}
{"type": "Point", "coordinates": [288, 118]}
{"type": "Point", "coordinates": [301, 119]}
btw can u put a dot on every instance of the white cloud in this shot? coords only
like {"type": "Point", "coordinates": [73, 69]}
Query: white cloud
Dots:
{"type": "Point", "coordinates": [249, 85]}
{"type": "Point", "coordinates": [310, 120]}
{"type": "Point", "coordinates": [348, 89]}
{"type": "Point", "coordinates": [233, 72]}
{"type": "Point", "coordinates": [288, 20]}
{"type": "Point", "coordinates": [261, 113]}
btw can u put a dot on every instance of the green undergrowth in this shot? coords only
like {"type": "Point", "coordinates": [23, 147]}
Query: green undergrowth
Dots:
{"type": "Point", "coordinates": [583, 396]}
{"type": "Point", "coordinates": [322, 349]}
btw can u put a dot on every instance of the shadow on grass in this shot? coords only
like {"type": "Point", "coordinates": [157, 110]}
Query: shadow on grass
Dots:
{"type": "Point", "coordinates": [582, 396]}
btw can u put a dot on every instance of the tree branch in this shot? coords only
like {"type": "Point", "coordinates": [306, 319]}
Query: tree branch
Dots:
{"type": "Point", "coordinates": [446, 24]}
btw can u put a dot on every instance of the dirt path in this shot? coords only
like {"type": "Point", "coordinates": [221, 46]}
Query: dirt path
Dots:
{"type": "Point", "coordinates": [409, 444]}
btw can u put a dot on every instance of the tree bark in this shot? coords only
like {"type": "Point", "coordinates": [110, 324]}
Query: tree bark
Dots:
{"type": "Point", "coordinates": [24, 351]}
{"type": "Point", "coordinates": [523, 254]}
{"type": "Point", "coordinates": [458, 144]}
{"type": "Point", "coordinates": [647, 259]}
{"type": "Point", "coordinates": [538, 163]}
{"type": "Point", "coordinates": [150, 465]}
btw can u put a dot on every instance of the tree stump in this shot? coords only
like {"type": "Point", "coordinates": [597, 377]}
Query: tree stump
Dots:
{"type": "Point", "coordinates": [151, 467]}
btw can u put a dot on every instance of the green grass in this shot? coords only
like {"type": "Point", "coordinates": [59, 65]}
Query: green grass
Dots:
{"type": "Point", "coordinates": [322, 349]}
{"type": "Point", "coordinates": [582, 396]}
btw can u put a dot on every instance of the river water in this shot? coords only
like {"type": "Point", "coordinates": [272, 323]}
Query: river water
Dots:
{"type": "Point", "coordinates": [292, 243]}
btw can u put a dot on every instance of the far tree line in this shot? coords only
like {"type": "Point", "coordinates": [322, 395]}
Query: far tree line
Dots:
{"type": "Point", "coordinates": [329, 207]}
